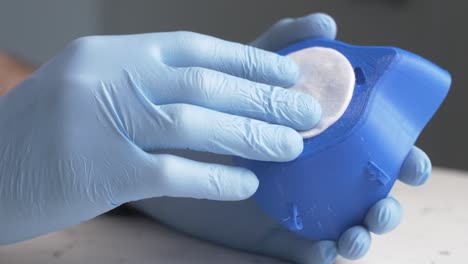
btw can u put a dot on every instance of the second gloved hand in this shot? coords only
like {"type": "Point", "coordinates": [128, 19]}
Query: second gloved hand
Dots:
{"type": "Point", "coordinates": [253, 230]}
{"type": "Point", "coordinates": [76, 137]}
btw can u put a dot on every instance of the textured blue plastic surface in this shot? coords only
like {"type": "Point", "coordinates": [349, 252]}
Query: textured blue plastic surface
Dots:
{"type": "Point", "coordinates": [353, 164]}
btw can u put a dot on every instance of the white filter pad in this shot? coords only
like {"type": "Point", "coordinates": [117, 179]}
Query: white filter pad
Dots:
{"type": "Point", "coordinates": [329, 77]}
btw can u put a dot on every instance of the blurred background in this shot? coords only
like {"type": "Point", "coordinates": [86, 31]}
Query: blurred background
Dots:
{"type": "Point", "coordinates": [36, 30]}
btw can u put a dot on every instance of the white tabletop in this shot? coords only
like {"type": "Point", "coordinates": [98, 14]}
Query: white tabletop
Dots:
{"type": "Point", "coordinates": [434, 230]}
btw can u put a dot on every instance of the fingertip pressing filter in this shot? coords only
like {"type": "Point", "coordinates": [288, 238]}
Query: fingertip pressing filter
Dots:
{"type": "Point", "coordinates": [328, 76]}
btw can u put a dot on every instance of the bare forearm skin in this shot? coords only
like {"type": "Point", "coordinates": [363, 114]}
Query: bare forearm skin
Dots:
{"type": "Point", "coordinates": [12, 72]}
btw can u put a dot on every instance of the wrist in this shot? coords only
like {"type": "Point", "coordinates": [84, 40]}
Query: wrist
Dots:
{"type": "Point", "coordinates": [12, 72]}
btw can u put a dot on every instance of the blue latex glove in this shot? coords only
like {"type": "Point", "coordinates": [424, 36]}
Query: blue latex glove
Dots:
{"type": "Point", "coordinates": [386, 214]}
{"type": "Point", "coordinates": [243, 225]}
{"type": "Point", "coordinates": [76, 136]}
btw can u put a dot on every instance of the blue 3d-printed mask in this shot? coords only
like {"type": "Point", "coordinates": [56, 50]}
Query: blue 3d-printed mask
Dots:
{"type": "Point", "coordinates": [353, 164]}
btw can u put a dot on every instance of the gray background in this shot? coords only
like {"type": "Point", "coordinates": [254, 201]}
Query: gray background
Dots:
{"type": "Point", "coordinates": [36, 30]}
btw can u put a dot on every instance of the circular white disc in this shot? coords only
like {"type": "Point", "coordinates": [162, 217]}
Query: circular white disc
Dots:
{"type": "Point", "coordinates": [329, 77]}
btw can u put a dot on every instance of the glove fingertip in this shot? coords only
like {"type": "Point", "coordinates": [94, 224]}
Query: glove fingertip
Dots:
{"type": "Point", "coordinates": [248, 185]}
{"type": "Point", "coordinates": [384, 216]}
{"type": "Point", "coordinates": [226, 183]}
{"type": "Point", "coordinates": [354, 243]}
{"type": "Point", "coordinates": [327, 252]}
{"type": "Point", "coordinates": [416, 169]}
{"type": "Point", "coordinates": [291, 145]}
{"type": "Point", "coordinates": [323, 252]}
{"type": "Point", "coordinates": [323, 25]}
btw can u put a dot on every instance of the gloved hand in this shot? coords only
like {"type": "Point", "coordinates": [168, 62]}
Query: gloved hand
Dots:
{"type": "Point", "coordinates": [76, 137]}
{"type": "Point", "coordinates": [385, 215]}
{"type": "Point", "coordinates": [244, 225]}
